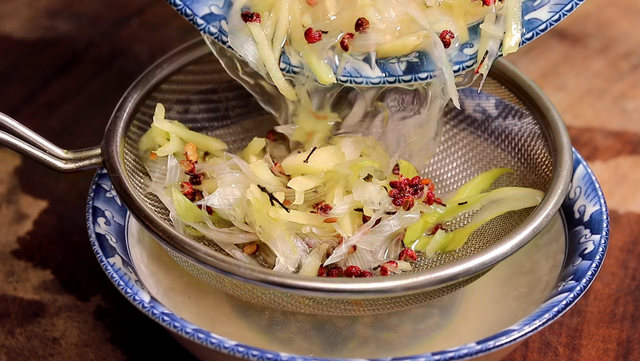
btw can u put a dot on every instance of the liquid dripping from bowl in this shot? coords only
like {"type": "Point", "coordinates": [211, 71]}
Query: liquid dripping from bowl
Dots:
{"type": "Point", "coordinates": [406, 119]}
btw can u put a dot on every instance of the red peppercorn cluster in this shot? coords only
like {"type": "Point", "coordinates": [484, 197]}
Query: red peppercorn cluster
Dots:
{"type": "Point", "coordinates": [191, 193]}
{"type": "Point", "coordinates": [446, 36]}
{"type": "Point", "coordinates": [335, 272]}
{"type": "Point", "coordinates": [189, 167]}
{"type": "Point", "coordinates": [362, 24]}
{"type": "Point", "coordinates": [405, 191]}
{"type": "Point", "coordinates": [388, 267]}
{"type": "Point", "coordinates": [344, 42]}
{"type": "Point", "coordinates": [271, 135]}
{"type": "Point", "coordinates": [431, 199]}
{"type": "Point", "coordinates": [251, 17]}
{"type": "Point", "coordinates": [195, 179]}
{"type": "Point", "coordinates": [408, 254]}
{"type": "Point", "coordinates": [313, 36]}
{"type": "Point", "coordinates": [349, 272]}
{"type": "Point", "coordinates": [322, 208]}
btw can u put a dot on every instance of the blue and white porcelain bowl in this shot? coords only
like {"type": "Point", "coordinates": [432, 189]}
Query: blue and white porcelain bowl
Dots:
{"type": "Point", "coordinates": [485, 320]}
{"type": "Point", "coordinates": [539, 16]}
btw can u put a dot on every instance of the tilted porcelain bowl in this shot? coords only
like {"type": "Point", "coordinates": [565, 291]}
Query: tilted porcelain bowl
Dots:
{"type": "Point", "coordinates": [539, 16]}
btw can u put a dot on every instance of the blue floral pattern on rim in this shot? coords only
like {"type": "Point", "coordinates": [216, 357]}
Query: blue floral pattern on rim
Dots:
{"type": "Point", "coordinates": [539, 16]}
{"type": "Point", "coordinates": [584, 210]}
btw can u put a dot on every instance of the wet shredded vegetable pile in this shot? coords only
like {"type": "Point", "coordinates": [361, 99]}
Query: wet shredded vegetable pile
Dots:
{"type": "Point", "coordinates": [343, 208]}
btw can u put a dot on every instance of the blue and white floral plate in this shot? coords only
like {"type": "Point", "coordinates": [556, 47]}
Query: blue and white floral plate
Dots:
{"type": "Point", "coordinates": [485, 320]}
{"type": "Point", "coordinates": [539, 16]}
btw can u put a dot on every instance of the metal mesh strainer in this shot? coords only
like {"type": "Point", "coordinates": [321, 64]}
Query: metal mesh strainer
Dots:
{"type": "Point", "coordinates": [508, 124]}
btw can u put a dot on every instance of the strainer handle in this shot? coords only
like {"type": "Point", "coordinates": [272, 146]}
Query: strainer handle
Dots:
{"type": "Point", "coordinates": [36, 147]}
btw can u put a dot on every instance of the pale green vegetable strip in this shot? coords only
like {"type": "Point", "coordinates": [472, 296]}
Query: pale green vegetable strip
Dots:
{"type": "Point", "coordinates": [463, 30]}
{"type": "Point", "coordinates": [313, 127]}
{"type": "Point", "coordinates": [485, 36]}
{"type": "Point", "coordinates": [525, 198]}
{"type": "Point", "coordinates": [148, 140]}
{"type": "Point", "coordinates": [407, 169]}
{"type": "Point", "coordinates": [331, 6]}
{"type": "Point", "coordinates": [299, 199]}
{"type": "Point", "coordinates": [479, 184]}
{"type": "Point", "coordinates": [493, 205]}
{"type": "Point", "coordinates": [305, 218]}
{"type": "Point", "coordinates": [425, 242]}
{"type": "Point", "coordinates": [427, 220]}
{"type": "Point", "coordinates": [201, 141]}
{"type": "Point", "coordinates": [271, 63]}
{"type": "Point", "coordinates": [478, 201]}
{"type": "Point", "coordinates": [262, 171]}
{"type": "Point", "coordinates": [186, 210]}
{"type": "Point", "coordinates": [312, 264]}
{"type": "Point", "coordinates": [465, 205]}
{"type": "Point", "coordinates": [491, 36]}
{"type": "Point", "coordinates": [159, 112]}
{"type": "Point", "coordinates": [435, 243]}
{"type": "Point", "coordinates": [282, 28]}
{"type": "Point", "coordinates": [348, 224]}
{"type": "Point", "coordinates": [416, 230]}
{"type": "Point", "coordinates": [209, 185]}
{"type": "Point", "coordinates": [300, 185]}
{"type": "Point", "coordinates": [405, 45]}
{"type": "Point", "coordinates": [162, 141]}
{"type": "Point", "coordinates": [269, 21]}
{"type": "Point", "coordinates": [335, 191]}
{"type": "Point", "coordinates": [303, 183]}
{"type": "Point", "coordinates": [254, 149]}
{"type": "Point", "coordinates": [174, 146]}
{"type": "Point", "coordinates": [475, 186]}
{"type": "Point", "coordinates": [279, 196]}
{"type": "Point", "coordinates": [319, 67]}
{"type": "Point", "coordinates": [322, 160]}
{"type": "Point", "coordinates": [358, 168]}
{"type": "Point", "coordinates": [404, 266]}
{"type": "Point", "coordinates": [296, 32]}
{"type": "Point", "coordinates": [513, 34]}
{"type": "Point", "coordinates": [272, 232]}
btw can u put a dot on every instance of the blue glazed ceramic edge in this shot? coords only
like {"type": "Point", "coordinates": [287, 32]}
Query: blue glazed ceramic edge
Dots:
{"type": "Point", "coordinates": [539, 16]}
{"type": "Point", "coordinates": [587, 222]}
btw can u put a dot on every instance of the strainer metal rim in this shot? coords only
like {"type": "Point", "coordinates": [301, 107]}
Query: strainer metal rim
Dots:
{"type": "Point", "coordinates": [507, 74]}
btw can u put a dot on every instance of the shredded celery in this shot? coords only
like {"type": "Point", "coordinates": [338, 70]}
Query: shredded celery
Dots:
{"type": "Point", "coordinates": [337, 204]}
{"type": "Point", "coordinates": [491, 205]}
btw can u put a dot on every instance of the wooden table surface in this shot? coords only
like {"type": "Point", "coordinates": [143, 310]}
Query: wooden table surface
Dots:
{"type": "Point", "coordinates": [64, 65]}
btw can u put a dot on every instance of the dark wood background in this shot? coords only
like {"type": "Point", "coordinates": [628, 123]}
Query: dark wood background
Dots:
{"type": "Point", "coordinates": [64, 65]}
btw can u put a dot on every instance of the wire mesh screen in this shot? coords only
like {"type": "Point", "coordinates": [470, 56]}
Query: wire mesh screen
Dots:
{"type": "Point", "coordinates": [493, 129]}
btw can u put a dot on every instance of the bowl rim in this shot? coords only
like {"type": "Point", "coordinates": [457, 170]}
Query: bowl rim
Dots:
{"type": "Point", "coordinates": [360, 288]}
{"type": "Point", "coordinates": [559, 301]}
